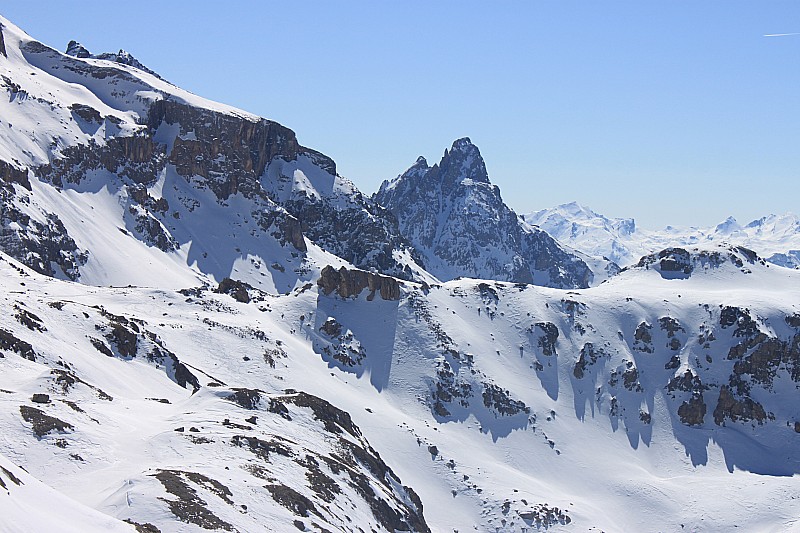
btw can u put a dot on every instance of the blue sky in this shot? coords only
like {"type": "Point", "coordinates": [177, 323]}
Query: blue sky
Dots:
{"type": "Point", "coordinates": [677, 112]}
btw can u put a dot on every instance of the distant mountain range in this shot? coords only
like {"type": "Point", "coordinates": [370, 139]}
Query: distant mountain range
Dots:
{"type": "Point", "coordinates": [205, 327]}
{"type": "Point", "coordinates": [774, 237]}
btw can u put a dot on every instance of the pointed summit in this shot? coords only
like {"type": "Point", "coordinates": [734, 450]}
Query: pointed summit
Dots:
{"type": "Point", "coordinates": [463, 144]}
{"type": "Point", "coordinates": [729, 225]}
{"type": "Point", "coordinates": [462, 161]}
{"type": "Point", "coordinates": [457, 220]}
{"type": "Point", "coordinates": [76, 49]}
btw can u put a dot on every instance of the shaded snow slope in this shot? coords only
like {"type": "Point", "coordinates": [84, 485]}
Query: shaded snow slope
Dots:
{"type": "Point", "coordinates": [309, 395]}
{"type": "Point", "coordinates": [775, 237]}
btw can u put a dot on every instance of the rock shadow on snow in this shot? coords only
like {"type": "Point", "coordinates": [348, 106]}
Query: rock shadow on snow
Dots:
{"type": "Point", "coordinates": [356, 335]}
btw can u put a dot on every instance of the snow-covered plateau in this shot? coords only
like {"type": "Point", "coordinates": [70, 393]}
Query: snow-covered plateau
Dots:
{"type": "Point", "coordinates": [203, 326]}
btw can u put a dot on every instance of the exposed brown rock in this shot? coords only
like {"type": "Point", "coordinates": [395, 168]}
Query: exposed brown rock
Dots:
{"type": "Point", "coordinates": [11, 343]}
{"type": "Point", "coordinates": [349, 283]}
{"type": "Point", "coordinates": [86, 112]}
{"type": "Point", "coordinates": [547, 341]}
{"type": "Point", "coordinates": [588, 357]}
{"type": "Point", "coordinates": [693, 411]}
{"type": "Point", "coordinates": [728, 407]}
{"type": "Point", "coordinates": [188, 506]}
{"type": "Point", "coordinates": [642, 333]}
{"type": "Point", "coordinates": [293, 232]}
{"type": "Point", "coordinates": [40, 398]}
{"type": "Point", "coordinates": [42, 423]}
{"type": "Point", "coordinates": [249, 144]}
{"type": "Point", "coordinates": [2, 42]}
{"type": "Point", "coordinates": [238, 290]}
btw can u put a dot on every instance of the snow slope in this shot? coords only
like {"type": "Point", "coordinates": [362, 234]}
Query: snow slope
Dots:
{"type": "Point", "coordinates": [775, 237]}
{"type": "Point", "coordinates": [467, 390]}
{"type": "Point", "coordinates": [27, 504]}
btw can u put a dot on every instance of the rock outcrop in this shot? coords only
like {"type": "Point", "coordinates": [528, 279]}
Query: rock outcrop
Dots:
{"type": "Point", "coordinates": [682, 263]}
{"type": "Point", "coordinates": [76, 49]}
{"type": "Point", "coordinates": [2, 43]}
{"type": "Point", "coordinates": [131, 130]}
{"type": "Point", "coordinates": [349, 283]}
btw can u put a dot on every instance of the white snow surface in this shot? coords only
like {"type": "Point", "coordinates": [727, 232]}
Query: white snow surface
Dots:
{"type": "Point", "coordinates": [607, 469]}
{"type": "Point", "coordinates": [27, 504]}
{"type": "Point", "coordinates": [774, 237]}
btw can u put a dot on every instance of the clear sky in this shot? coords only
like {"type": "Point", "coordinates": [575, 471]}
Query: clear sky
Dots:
{"type": "Point", "coordinates": [672, 112]}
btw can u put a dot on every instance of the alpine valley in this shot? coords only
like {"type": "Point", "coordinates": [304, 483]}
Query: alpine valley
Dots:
{"type": "Point", "coordinates": [205, 327]}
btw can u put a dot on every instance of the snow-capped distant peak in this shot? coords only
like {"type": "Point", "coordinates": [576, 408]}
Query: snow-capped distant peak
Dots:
{"type": "Point", "coordinates": [729, 225]}
{"type": "Point", "coordinates": [776, 238]}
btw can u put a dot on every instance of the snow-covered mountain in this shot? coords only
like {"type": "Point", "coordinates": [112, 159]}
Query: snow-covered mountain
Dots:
{"type": "Point", "coordinates": [775, 237]}
{"type": "Point", "coordinates": [457, 220]}
{"type": "Point", "coordinates": [647, 403]}
{"type": "Point", "coordinates": [103, 162]}
{"type": "Point", "coordinates": [241, 374]}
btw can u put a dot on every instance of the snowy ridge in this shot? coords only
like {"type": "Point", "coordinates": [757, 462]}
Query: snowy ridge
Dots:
{"type": "Point", "coordinates": [165, 188]}
{"type": "Point", "coordinates": [203, 326]}
{"type": "Point", "coordinates": [775, 237]}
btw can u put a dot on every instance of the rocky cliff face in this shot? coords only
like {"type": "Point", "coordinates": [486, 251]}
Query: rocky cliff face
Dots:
{"type": "Point", "coordinates": [350, 283]}
{"type": "Point", "coordinates": [161, 151]}
{"type": "Point", "coordinates": [459, 223]}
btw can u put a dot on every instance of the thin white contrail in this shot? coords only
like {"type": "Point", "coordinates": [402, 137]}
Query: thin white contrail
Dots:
{"type": "Point", "coordinates": [781, 34]}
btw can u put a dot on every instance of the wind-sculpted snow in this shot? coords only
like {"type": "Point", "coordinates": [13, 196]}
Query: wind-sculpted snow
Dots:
{"type": "Point", "coordinates": [479, 395]}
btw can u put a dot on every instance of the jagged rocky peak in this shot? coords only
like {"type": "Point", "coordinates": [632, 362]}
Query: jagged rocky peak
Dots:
{"type": "Point", "coordinates": [457, 220]}
{"type": "Point", "coordinates": [464, 160]}
{"type": "Point", "coordinates": [76, 49]}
